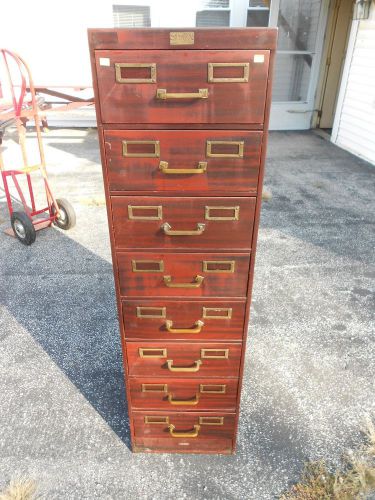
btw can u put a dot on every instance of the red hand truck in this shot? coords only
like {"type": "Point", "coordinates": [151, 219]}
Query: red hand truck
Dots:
{"type": "Point", "coordinates": [23, 107]}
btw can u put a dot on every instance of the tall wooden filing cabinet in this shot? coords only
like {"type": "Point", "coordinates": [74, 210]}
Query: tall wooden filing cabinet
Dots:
{"type": "Point", "coordinates": [182, 122]}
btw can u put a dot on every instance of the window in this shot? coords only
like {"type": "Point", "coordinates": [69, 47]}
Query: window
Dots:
{"type": "Point", "coordinates": [213, 13]}
{"type": "Point", "coordinates": [131, 16]}
{"type": "Point", "coordinates": [258, 13]}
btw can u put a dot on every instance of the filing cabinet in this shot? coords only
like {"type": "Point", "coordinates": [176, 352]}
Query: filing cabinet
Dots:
{"type": "Point", "coordinates": [182, 123]}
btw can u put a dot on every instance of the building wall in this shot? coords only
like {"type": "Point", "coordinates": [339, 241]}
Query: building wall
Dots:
{"type": "Point", "coordinates": [354, 125]}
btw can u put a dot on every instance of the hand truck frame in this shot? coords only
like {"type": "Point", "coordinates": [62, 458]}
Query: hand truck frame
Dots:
{"type": "Point", "coordinates": [23, 107]}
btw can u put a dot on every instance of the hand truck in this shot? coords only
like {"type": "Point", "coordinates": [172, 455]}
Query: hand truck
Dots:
{"type": "Point", "coordinates": [22, 107]}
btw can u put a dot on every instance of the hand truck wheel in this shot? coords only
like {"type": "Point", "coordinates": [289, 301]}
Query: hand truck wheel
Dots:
{"type": "Point", "coordinates": [23, 227]}
{"type": "Point", "coordinates": [67, 218]}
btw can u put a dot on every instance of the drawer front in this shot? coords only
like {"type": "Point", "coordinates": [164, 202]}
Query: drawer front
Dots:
{"type": "Point", "coordinates": [183, 394]}
{"type": "Point", "coordinates": [183, 274]}
{"type": "Point", "coordinates": [181, 359]}
{"type": "Point", "coordinates": [183, 320]}
{"type": "Point", "coordinates": [182, 86]}
{"type": "Point", "coordinates": [177, 160]}
{"type": "Point", "coordinates": [179, 223]}
{"type": "Point", "coordinates": [184, 432]}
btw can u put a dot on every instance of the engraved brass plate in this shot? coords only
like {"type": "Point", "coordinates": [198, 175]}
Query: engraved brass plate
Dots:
{"type": "Point", "coordinates": [214, 312]}
{"type": "Point", "coordinates": [154, 388]}
{"type": "Point", "coordinates": [150, 352]}
{"type": "Point", "coordinates": [122, 79]}
{"type": "Point", "coordinates": [154, 154]}
{"type": "Point", "coordinates": [158, 210]}
{"type": "Point", "coordinates": [210, 145]}
{"type": "Point", "coordinates": [181, 37]}
{"type": "Point", "coordinates": [151, 312]}
{"type": "Point", "coordinates": [218, 266]}
{"type": "Point", "coordinates": [234, 216]}
{"type": "Point", "coordinates": [243, 79]}
{"type": "Point", "coordinates": [150, 419]}
{"type": "Point", "coordinates": [212, 389]}
{"type": "Point", "coordinates": [211, 420]}
{"type": "Point", "coordinates": [148, 266]}
{"type": "Point", "coordinates": [214, 353]}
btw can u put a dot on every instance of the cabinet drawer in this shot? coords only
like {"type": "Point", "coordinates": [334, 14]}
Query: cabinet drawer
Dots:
{"type": "Point", "coordinates": [177, 160]}
{"type": "Point", "coordinates": [181, 359]}
{"type": "Point", "coordinates": [184, 86]}
{"type": "Point", "coordinates": [183, 394]}
{"type": "Point", "coordinates": [183, 274]}
{"type": "Point", "coordinates": [184, 432]}
{"type": "Point", "coordinates": [179, 222]}
{"type": "Point", "coordinates": [183, 320]}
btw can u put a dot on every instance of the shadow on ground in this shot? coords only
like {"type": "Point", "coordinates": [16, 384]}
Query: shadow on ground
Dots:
{"type": "Point", "coordinates": [63, 295]}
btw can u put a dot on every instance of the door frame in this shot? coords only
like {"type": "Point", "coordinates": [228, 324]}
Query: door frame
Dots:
{"type": "Point", "coordinates": [295, 115]}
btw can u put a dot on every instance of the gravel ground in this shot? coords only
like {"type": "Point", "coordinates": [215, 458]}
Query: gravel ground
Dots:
{"type": "Point", "coordinates": [309, 377]}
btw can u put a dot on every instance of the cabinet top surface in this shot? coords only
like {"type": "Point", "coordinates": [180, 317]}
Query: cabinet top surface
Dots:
{"type": "Point", "coordinates": [183, 38]}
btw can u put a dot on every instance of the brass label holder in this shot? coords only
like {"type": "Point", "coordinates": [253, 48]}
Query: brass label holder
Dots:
{"type": "Point", "coordinates": [240, 79]}
{"type": "Point", "coordinates": [121, 79]}
{"type": "Point", "coordinates": [126, 153]}
{"type": "Point", "coordinates": [151, 312]}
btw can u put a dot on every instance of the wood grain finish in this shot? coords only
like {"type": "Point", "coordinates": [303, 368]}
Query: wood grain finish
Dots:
{"type": "Point", "coordinates": [147, 320]}
{"type": "Point", "coordinates": [183, 214]}
{"type": "Point", "coordinates": [183, 244]}
{"type": "Point", "coordinates": [200, 359]}
{"type": "Point", "coordinates": [183, 268]}
{"type": "Point", "coordinates": [159, 38]}
{"type": "Point", "coordinates": [183, 150]}
{"type": "Point", "coordinates": [183, 394]}
{"type": "Point", "coordinates": [182, 72]}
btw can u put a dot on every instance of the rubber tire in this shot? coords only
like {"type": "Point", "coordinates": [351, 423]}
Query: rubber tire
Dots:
{"type": "Point", "coordinates": [69, 219]}
{"type": "Point", "coordinates": [28, 227]}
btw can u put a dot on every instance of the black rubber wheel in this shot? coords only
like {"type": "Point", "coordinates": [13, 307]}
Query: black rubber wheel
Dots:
{"type": "Point", "coordinates": [67, 218]}
{"type": "Point", "coordinates": [23, 227]}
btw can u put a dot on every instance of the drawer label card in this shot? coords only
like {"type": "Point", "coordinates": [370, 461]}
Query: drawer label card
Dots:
{"type": "Point", "coordinates": [181, 37]}
{"type": "Point", "coordinates": [259, 58]}
{"type": "Point", "coordinates": [104, 61]}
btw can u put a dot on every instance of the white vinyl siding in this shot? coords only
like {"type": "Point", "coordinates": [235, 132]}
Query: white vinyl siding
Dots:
{"type": "Point", "coordinates": [354, 127]}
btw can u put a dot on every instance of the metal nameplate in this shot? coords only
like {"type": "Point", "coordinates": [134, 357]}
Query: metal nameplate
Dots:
{"type": "Point", "coordinates": [181, 37]}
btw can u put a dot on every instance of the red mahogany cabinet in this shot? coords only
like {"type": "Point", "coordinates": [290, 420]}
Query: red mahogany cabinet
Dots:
{"type": "Point", "coordinates": [182, 123]}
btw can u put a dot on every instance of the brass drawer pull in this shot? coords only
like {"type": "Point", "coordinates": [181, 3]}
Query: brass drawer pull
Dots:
{"type": "Point", "coordinates": [202, 167]}
{"type": "Point", "coordinates": [198, 325]}
{"type": "Point", "coordinates": [179, 232]}
{"type": "Point", "coordinates": [194, 368]}
{"type": "Point", "coordinates": [191, 402]}
{"type": "Point", "coordinates": [176, 434]}
{"type": "Point", "coordinates": [163, 94]}
{"type": "Point", "coordinates": [198, 280]}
